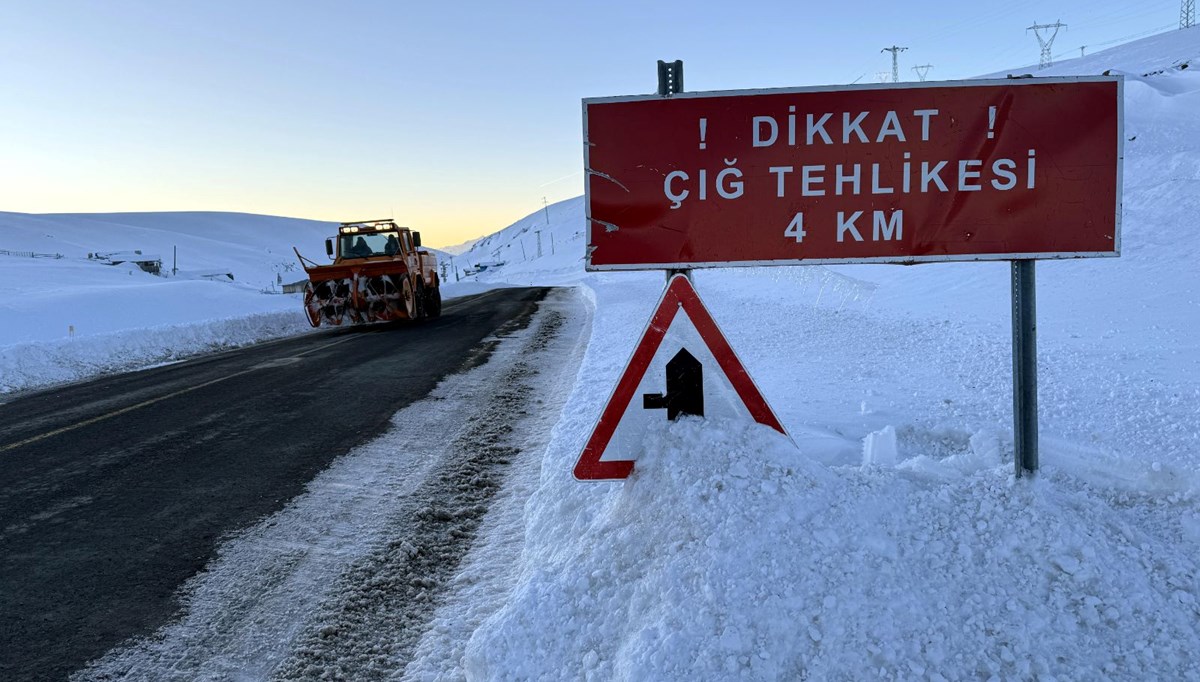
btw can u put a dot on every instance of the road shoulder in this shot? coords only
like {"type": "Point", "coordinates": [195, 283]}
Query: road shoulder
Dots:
{"type": "Point", "coordinates": [346, 578]}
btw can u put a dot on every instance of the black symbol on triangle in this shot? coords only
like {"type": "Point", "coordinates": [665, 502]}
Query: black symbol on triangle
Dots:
{"type": "Point", "coordinates": [685, 388]}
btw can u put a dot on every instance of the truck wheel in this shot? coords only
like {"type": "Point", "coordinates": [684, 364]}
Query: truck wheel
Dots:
{"type": "Point", "coordinates": [433, 305]}
{"type": "Point", "coordinates": [408, 298]}
{"type": "Point", "coordinates": [419, 301]}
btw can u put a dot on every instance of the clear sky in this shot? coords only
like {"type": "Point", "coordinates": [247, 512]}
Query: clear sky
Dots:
{"type": "Point", "coordinates": [454, 117]}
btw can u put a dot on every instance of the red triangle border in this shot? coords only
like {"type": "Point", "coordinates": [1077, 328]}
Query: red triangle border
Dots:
{"type": "Point", "coordinates": [679, 294]}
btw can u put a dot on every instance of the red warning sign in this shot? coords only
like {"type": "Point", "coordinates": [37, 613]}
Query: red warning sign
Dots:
{"type": "Point", "coordinates": [881, 173]}
{"type": "Point", "coordinates": [683, 365]}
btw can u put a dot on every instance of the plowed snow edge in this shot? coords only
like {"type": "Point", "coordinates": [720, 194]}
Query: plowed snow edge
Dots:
{"type": "Point", "coordinates": [343, 582]}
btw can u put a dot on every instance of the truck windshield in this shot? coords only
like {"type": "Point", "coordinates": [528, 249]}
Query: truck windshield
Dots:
{"type": "Point", "coordinates": [364, 245]}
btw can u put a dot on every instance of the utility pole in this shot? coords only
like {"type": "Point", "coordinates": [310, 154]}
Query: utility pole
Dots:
{"type": "Point", "coordinates": [546, 208]}
{"type": "Point", "coordinates": [882, 77]}
{"type": "Point", "coordinates": [1187, 13]}
{"type": "Point", "coordinates": [895, 50]}
{"type": "Point", "coordinates": [1081, 47]}
{"type": "Point", "coordinates": [538, 233]}
{"type": "Point", "coordinates": [1037, 29]}
{"type": "Point", "coordinates": [922, 71]}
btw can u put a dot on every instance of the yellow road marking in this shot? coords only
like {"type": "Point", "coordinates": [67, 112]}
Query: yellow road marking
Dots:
{"type": "Point", "coordinates": [147, 403]}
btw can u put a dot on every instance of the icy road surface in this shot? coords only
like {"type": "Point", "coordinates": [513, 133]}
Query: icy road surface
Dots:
{"type": "Point", "coordinates": [117, 491]}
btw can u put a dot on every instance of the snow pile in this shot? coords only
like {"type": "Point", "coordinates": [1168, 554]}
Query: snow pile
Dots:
{"type": "Point", "coordinates": [879, 447]}
{"type": "Point", "coordinates": [731, 555]}
{"type": "Point", "coordinates": [753, 563]}
{"type": "Point", "coordinates": [32, 365]}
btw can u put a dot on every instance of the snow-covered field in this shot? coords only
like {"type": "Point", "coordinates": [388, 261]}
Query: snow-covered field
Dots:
{"type": "Point", "coordinates": [733, 554]}
{"type": "Point", "coordinates": [72, 317]}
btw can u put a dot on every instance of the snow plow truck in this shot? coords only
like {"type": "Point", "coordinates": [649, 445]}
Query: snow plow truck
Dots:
{"type": "Point", "coordinates": [379, 273]}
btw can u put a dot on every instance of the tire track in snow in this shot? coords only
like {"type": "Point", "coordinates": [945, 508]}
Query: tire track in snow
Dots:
{"type": "Point", "coordinates": [342, 582]}
{"type": "Point", "coordinates": [394, 591]}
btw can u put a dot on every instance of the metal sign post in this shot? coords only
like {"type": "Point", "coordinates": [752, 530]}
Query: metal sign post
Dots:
{"type": "Point", "coordinates": [670, 82]}
{"type": "Point", "coordinates": [670, 77]}
{"type": "Point", "coordinates": [1025, 410]}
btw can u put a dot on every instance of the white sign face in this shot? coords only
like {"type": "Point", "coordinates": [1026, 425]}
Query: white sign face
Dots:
{"type": "Point", "coordinates": [682, 366]}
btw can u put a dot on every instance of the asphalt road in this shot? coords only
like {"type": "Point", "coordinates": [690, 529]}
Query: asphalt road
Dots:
{"type": "Point", "coordinates": [115, 491]}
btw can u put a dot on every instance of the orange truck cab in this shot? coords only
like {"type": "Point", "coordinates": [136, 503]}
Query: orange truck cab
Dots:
{"type": "Point", "coordinates": [379, 273]}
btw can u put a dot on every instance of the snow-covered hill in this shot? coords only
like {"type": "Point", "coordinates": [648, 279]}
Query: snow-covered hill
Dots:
{"type": "Point", "coordinates": [1151, 55]}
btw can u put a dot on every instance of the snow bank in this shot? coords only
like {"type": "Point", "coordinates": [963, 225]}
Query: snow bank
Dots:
{"type": "Point", "coordinates": [751, 562]}
{"type": "Point", "coordinates": [36, 364]}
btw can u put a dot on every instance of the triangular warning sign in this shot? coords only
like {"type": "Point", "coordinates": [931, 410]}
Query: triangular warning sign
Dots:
{"type": "Point", "coordinates": [682, 365]}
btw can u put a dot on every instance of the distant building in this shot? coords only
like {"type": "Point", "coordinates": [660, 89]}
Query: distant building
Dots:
{"type": "Point", "coordinates": [150, 263]}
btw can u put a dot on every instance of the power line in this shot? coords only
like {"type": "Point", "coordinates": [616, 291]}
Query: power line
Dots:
{"type": "Point", "coordinates": [1046, 43]}
{"type": "Point", "coordinates": [922, 70]}
{"type": "Point", "coordinates": [1123, 14]}
{"type": "Point", "coordinates": [895, 50]}
{"type": "Point", "coordinates": [986, 17]}
{"type": "Point", "coordinates": [1122, 39]}
{"type": "Point", "coordinates": [1187, 13]}
{"type": "Point", "coordinates": [1131, 36]}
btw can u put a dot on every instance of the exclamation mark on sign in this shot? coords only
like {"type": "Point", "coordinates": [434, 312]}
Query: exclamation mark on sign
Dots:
{"type": "Point", "coordinates": [991, 122]}
{"type": "Point", "coordinates": [703, 133]}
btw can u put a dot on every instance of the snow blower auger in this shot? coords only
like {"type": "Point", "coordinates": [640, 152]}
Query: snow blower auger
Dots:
{"type": "Point", "coordinates": [379, 273]}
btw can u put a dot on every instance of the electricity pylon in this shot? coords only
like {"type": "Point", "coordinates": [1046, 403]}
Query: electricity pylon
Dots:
{"type": "Point", "coordinates": [895, 50]}
{"type": "Point", "coordinates": [1187, 13]}
{"type": "Point", "coordinates": [922, 71]}
{"type": "Point", "coordinates": [1046, 42]}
